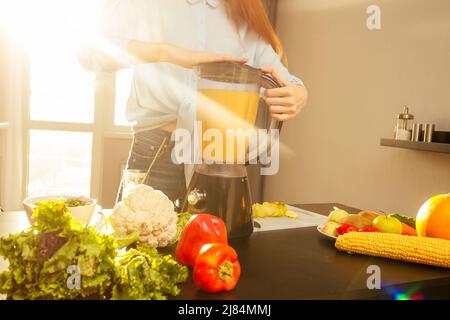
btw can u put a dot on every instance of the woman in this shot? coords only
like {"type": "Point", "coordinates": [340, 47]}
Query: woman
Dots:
{"type": "Point", "coordinates": [163, 40]}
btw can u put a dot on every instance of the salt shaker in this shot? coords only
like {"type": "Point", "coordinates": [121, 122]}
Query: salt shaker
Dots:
{"type": "Point", "coordinates": [404, 125]}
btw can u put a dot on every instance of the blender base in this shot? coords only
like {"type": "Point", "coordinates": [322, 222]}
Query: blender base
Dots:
{"type": "Point", "coordinates": [223, 191]}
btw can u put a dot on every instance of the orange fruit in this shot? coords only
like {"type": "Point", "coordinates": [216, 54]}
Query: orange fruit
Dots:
{"type": "Point", "coordinates": [433, 218]}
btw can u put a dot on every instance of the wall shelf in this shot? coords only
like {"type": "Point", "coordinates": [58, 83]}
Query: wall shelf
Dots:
{"type": "Point", "coordinates": [422, 146]}
{"type": "Point", "coordinates": [3, 125]}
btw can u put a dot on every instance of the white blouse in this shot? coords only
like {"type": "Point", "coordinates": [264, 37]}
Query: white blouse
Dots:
{"type": "Point", "coordinates": [162, 92]}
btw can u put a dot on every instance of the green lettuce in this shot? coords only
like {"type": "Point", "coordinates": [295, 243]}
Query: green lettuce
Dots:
{"type": "Point", "coordinates": [183, 219]}
{"type": "Point", "coordinates": [39, 258]}
{"type": "Point", "coordinates": [127, 240]}
{"type": "Point", "coordinates": [145, 274]}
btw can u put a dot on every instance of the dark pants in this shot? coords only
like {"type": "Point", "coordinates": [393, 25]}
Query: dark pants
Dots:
{"type": "Point", "coordinates": [163, 175]}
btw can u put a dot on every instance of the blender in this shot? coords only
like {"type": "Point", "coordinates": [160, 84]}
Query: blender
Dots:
{"type": "Point", "coordinates": [227, 101]}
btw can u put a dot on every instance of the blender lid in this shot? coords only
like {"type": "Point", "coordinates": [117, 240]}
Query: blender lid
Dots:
{"type": "Point", "coordinates": [231, 72]}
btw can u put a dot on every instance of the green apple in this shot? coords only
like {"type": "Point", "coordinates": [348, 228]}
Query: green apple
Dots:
{"type": "Point", "coordinates": [338, 215]}
{"type": "Point", "coordinates": [388, 225]}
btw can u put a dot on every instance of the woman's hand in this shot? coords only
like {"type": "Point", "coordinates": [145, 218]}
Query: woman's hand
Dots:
{"type": "Point", "coordinates": [190, 58]}
{"type": "Point", "coordinates": [286, 102]}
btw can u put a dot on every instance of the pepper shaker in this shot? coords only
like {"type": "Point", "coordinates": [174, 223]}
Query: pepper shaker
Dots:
{"type": "Point", "coordinates": [428, 134]}
{"type": "Point", "coordinates": [416, 132]}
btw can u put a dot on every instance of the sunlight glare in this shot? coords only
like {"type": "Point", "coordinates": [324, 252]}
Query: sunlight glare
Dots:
{"type": "Point", "coordinates": [29, 21]}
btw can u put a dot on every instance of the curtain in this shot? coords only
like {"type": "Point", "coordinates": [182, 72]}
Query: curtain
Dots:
{"type": "Point", "coordinates": [13, 101]}
{"type": "Point", "coordinates": [255, 178]}
{"type": "Point", "coordinates": [271, 6]}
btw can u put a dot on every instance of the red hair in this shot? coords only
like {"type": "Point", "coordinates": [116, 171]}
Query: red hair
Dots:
{"type": "Point", "coordinates": [254, 14]}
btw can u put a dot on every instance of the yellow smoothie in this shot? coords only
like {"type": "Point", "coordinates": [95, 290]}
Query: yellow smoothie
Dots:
{"type": "Point", "coordinates": [221, 110]}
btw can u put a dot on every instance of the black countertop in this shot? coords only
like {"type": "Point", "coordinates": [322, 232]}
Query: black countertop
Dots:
{"type": "Point", "coordinates": [302, 264]}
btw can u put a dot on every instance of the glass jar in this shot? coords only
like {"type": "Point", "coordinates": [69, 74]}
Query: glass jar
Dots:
{"type": "Point", "coordinates": [403, 128]}
{"type": "Point", "coordinates": [132, 178]}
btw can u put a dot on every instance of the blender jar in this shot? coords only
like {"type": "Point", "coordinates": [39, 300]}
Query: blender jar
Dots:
{"type": "Point", "coordinates": [227, 106]}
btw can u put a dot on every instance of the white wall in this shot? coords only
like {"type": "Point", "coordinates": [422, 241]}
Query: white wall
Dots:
{"type": "Point", "coordinates": [358, 81]}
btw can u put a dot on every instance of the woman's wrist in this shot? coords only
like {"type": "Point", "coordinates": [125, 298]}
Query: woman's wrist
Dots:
{"type": "Point", "coordinates": [176, 55]}
{"type": "Point", "coordinates": [164, 52]}
{"type": "Point", "coordinates": [147, 52]}
{"type": "Point", "coordinates": [170, 53]}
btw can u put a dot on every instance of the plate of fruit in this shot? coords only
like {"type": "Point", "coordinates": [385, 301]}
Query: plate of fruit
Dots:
{"type": "Point", "coordinates": [326, 233]}
{"type": "Point", "coordinates": [340, 222]}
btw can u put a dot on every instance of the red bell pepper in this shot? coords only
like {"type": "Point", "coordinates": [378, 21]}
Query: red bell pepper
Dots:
{"type": "Point", "coordinates": [216, 268]}
{"type": "Point", "coordinates": [345, 228]}
{"type": "Point", "coordinates": [200, 230]}
{"type": "Point", "coordinates": [369, 229]}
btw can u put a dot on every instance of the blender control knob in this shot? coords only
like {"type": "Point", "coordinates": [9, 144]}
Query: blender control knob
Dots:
{"type": "Point", "coordinates": [195, 196]}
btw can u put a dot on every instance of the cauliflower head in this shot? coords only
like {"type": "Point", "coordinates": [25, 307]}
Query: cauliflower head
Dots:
{"type": "Point", "coordinates": [148, 212]}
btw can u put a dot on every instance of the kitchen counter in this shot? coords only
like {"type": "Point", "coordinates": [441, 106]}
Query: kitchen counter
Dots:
{"type": "Point", "coordinates": [301, 263]}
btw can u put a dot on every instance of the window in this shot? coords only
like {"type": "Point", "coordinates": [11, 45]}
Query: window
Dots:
{"type": "Point", "coordinates": [65, 118]}
{"type": "Point", "coordinates": [62, 98]}
{"type": "Point", "coordinates": [59, 163]}
{"type": "Point", "coordinates": [60, 89]}
{"type": "Point", "coordinates": [123, 84]}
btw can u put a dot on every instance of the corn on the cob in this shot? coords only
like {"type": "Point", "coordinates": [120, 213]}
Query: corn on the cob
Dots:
{"type": "Point", "coordinates": [430, 251]}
